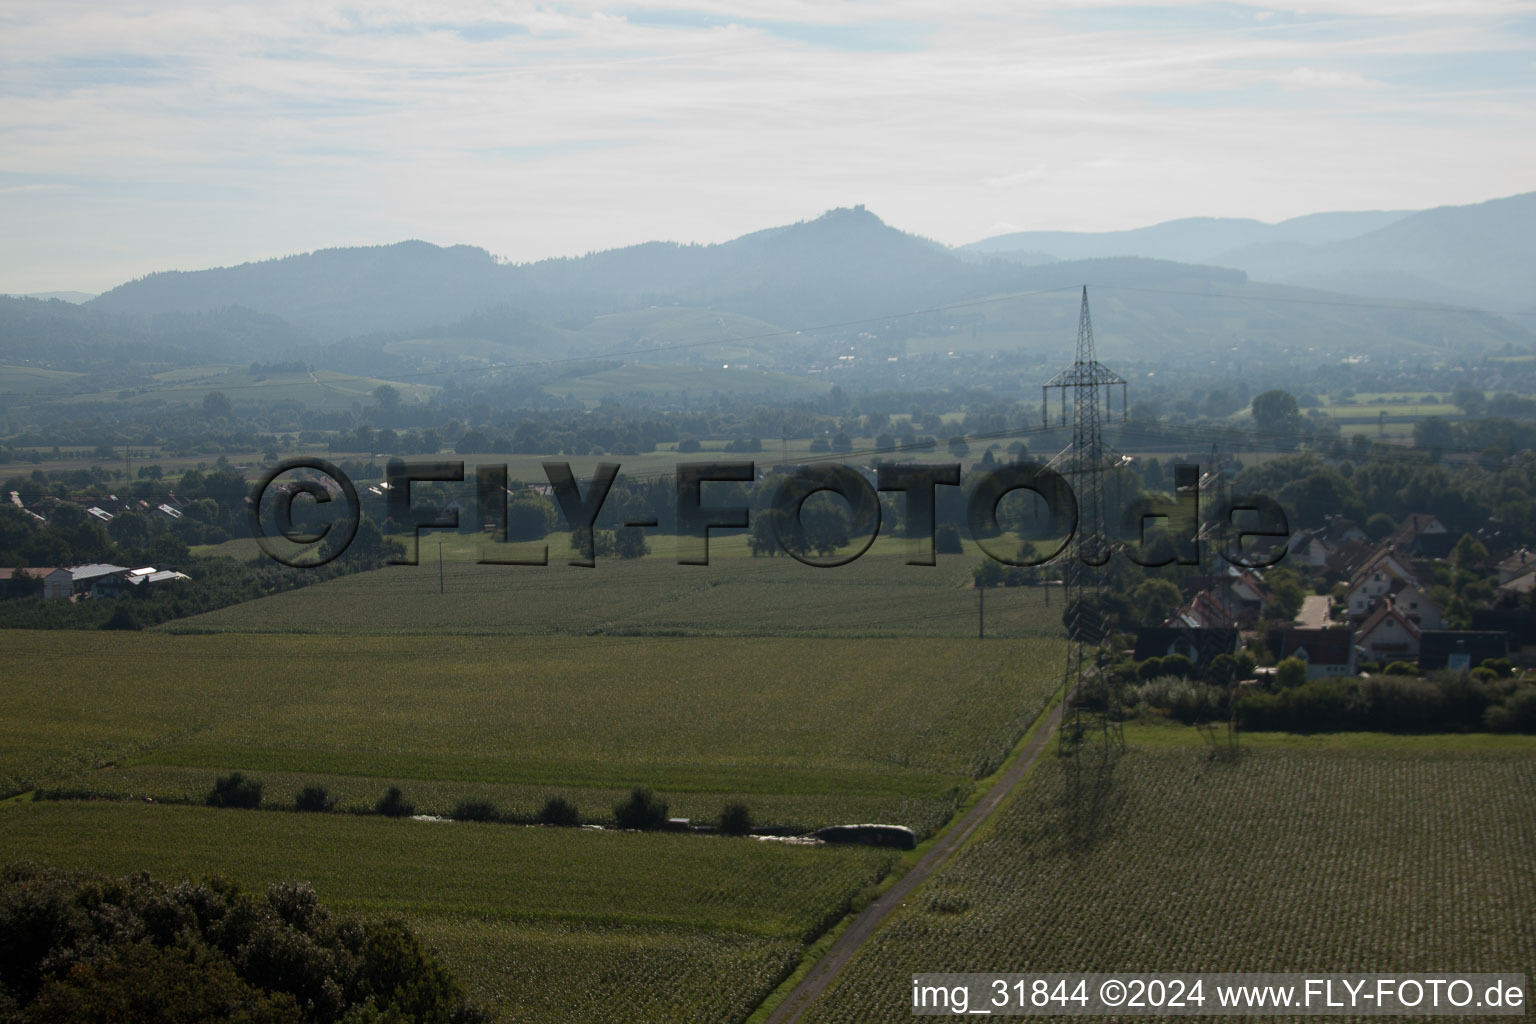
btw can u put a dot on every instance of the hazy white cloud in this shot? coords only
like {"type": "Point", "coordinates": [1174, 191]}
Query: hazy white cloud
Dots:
{"type": "Point", "coordinates": [1036, 173]}
{"type": "Point", "coordinates": [198, 134]}
{"type": "Point", "coordinates": [1313, 78]}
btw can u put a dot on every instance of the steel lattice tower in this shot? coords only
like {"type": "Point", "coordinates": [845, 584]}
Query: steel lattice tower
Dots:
{"type": "Point", "coordinates": [1089, 709]}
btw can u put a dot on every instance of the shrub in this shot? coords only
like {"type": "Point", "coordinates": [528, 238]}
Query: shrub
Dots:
{"type": "Point", "coordinates": [1178, 665]}
{"type": "Point", "coordinates": [475, 810]}
{"type": "Point", "coordinates": [1189, 702]}
{"type": "Point", "coordinates": [557, 810]}
{"type": "Point", "coordinates": [1498, 719]}
{"type": "Point", "coordinates": [1312, 706]}
{"type": "Point", "coordinates": [641, 811]}
{"type": "Point", "coordinates": [1500, 666]}
{"type": "Point", "coordinates": [1522, 709]}
{"type": "Point", "coordinates": [122, 618]}
{"type": "Point", "coordinates": [735, 820]}
{"type": "Point", "coordinates": [1150, 669]}
{"type": "Point", "coordinates": [234, 790]}
{"type": "Point", "coordinates": [1398, 703]}
{"type": "Point", "coordinates": [1401, 668]}
{"type": "Point", "coordinates": [1291, 672]}
{"type": "Point", "coordinates": [394, 805]}
{"type": "Point", "coordinates": [313, 798]}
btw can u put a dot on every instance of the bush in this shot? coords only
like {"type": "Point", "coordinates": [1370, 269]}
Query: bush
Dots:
{"type": "Point", "coordinates": [1397, 703]}
{"type": "Point", "coordinates": [313, 798]}
{"type": "Point", "coordinates": [234, 790]}
{"type": "Point", "coordinates": [1178, 665]}
{"type": "Point", "coordinates": [735, 820]}
{"type": "Point", "coordinates": [946, 541]}
{"type": "Point", "coordinates": [1291, 672]}
{"type": "Point", "coordinates": [641, 811]}
{"type": "Point", "coordinates": [1498, 719]}
{"type": "Point", "coordinates": [394, 805]}
{"type": "Point", "coordinates": [1318, 705]}
{"type": "Point", "coordinates": [122, 618]}
{"type": "Point", "coordinates": [1188, 702]}
{"type": "Point", "coordinates": [1222, 669]}
{"type": "Point", "coordinates": [557, 810]}
{"type": "Point", "coordinates": [1522, 709]}
{"type": "Point", "coordinates": [475, 810]}
{"type": "Point", "coordinates": [1401, 668]}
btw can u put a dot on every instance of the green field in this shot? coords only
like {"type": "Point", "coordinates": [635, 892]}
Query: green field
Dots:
{"type": "Point", "coordinates": [786, 725]}
{"type": "Point", "coordinates": [322, 389]}
{"type": "Point", "coordinates": [1337, 855]}
{"type": "Point", "coordinates": [879, 595]}
{"type": "Point", "coordinates": [36, 380]}
{"type": "Point", "coordinates": [544, 924]}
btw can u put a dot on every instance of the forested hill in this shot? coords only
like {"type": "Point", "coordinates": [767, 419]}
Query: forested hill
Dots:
{"type": "Point", "coordinates": [414, 307]}
{"type": "Point", "coordinates": [845, 264]}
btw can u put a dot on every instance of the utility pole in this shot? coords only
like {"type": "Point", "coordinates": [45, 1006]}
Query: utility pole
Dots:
{"type": "Point", "coordinates": [981, 613]}
{"type": "Point", "coordinates": [440, 566]}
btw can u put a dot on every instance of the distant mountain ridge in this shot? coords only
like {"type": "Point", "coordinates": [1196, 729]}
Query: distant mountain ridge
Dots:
{"type": "Point", "coordinates": [1484, 254]}
{"type": "Point", "coordinates": [847, 267]}
{"type": "Point", "coordinates": [1189, 239]}
{"type": "Point", "coordinates": [846, 263]}
{"type": "Point", "coordinates": [1481, 255]}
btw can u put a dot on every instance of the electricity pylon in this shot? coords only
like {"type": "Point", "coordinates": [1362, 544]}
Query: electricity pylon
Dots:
{"type": "Point", "coordinates": [1090, 710]}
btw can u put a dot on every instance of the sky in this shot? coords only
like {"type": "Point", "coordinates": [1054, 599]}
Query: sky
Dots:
{"type": "Point", "coordinates": [142, 137]}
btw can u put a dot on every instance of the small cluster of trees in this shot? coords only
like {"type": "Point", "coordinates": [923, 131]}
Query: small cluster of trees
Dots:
{"type": "Point", "coordinates": [83, 947]}
{"type": "Point", "coordinates": [642, 810]}
{"type": "Point", "coordinates": [1444, 702]}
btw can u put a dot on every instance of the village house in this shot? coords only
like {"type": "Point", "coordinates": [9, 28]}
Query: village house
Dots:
{"type": "Point", "coordinates": [1241, 594]}
{"type": "Point", "coordinates": [1327, 652]}
{"type": "Point", "coordinates": [1461, 649]}
{"type": "Point", "coordinates": [1203, 611]}
{"type": "Point", "coordinates": [56, 582]}
{"type": "Point", "coordinates": [98, 579]}
{"type": "Point", "coordinates": [1374, 580]}
{"type": "Point", "coordinates": [1388, 635]}
{"type": "Point", "coordinates": [1423, 535]}
{"type": "Point", "coordinates": [1199, 645]}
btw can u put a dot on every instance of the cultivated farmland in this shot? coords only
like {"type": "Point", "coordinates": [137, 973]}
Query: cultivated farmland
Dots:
{"type": "Point", "coordinates": [546, 924]}
{"type": "Point", "coordinates": [549, 924]}
{"type": "Point", "coordinates": [1332, 855]}
{"type": "Point", "coordinates": [735, 595]}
